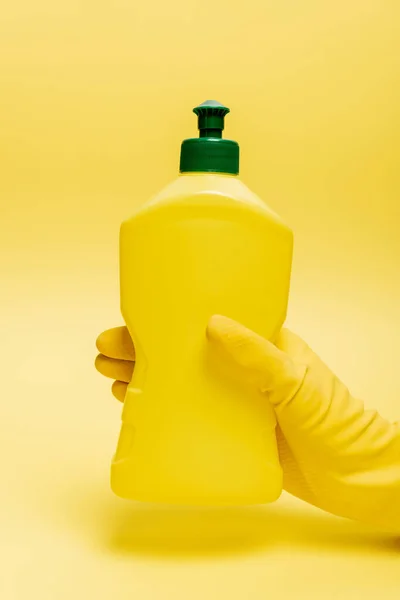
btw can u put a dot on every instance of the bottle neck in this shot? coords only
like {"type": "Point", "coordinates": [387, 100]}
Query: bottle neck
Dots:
{"type": "Point", "coordinates": [208, 173]}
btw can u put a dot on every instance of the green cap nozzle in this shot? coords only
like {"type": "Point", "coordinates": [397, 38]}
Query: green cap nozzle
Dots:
{"type": "Point", "coordinates": [209, 153]}
{"type": "Point", "coordinates": [211, 116]}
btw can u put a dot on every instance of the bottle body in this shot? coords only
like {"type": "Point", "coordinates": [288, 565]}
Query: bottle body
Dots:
{"type": "Point", "coordinates": [192, 431]}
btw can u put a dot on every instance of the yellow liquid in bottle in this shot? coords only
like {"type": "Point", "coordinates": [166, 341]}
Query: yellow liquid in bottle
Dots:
{"type": "Point", "coordinates": [192, 431]}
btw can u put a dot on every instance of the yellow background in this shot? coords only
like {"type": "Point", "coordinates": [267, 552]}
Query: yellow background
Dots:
{"type": "Point", "coordinates": [95, 98]}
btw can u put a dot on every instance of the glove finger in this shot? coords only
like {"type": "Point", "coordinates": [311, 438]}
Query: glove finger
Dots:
{"type": "Point", "coordinates": [116, 343]}
{"type": "Point", "coordinates": [119, 390]}
{"type": "Point", "coordinates": [121, 370]}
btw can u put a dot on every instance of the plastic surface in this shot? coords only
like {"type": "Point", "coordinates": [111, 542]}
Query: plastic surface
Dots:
{"type": "Point", "coordinates": [191, 432]}
{"type": "Point", "coordinates": [209, 153]}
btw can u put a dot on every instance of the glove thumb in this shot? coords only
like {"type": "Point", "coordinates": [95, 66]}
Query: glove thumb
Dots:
{"type": "Point", "coordinates": [273, 371]}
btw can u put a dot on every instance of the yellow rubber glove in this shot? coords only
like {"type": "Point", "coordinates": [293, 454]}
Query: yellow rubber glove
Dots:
{"type": "Point", "coordinates": [335, 454]}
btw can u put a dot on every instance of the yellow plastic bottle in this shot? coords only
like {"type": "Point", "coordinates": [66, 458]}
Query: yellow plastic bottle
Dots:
{"type": "Point", "coordinates": [192, 433]}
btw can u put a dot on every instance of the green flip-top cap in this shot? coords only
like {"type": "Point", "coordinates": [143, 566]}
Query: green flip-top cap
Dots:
{"type": "Point", "coordinates": [210, 153]}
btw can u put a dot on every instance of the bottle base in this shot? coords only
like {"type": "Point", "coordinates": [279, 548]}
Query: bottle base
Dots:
{"type": "Point", "coordinates": [128, 489]}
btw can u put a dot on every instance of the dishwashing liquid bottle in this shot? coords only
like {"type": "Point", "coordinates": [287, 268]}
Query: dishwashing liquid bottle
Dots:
{"type": "Point", "coordinates": [193, 432]}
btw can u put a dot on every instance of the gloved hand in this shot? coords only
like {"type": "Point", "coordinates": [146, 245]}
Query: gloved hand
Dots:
{"type": "Point", "coordinates": [335, 454]}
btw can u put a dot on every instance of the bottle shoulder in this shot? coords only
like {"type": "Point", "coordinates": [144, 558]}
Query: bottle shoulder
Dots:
{"type": "Point", "coordinates": [209, 191]}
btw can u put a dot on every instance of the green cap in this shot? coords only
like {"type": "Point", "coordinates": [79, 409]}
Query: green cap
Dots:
{"type": "Point", "coordinates": [209, 153]}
